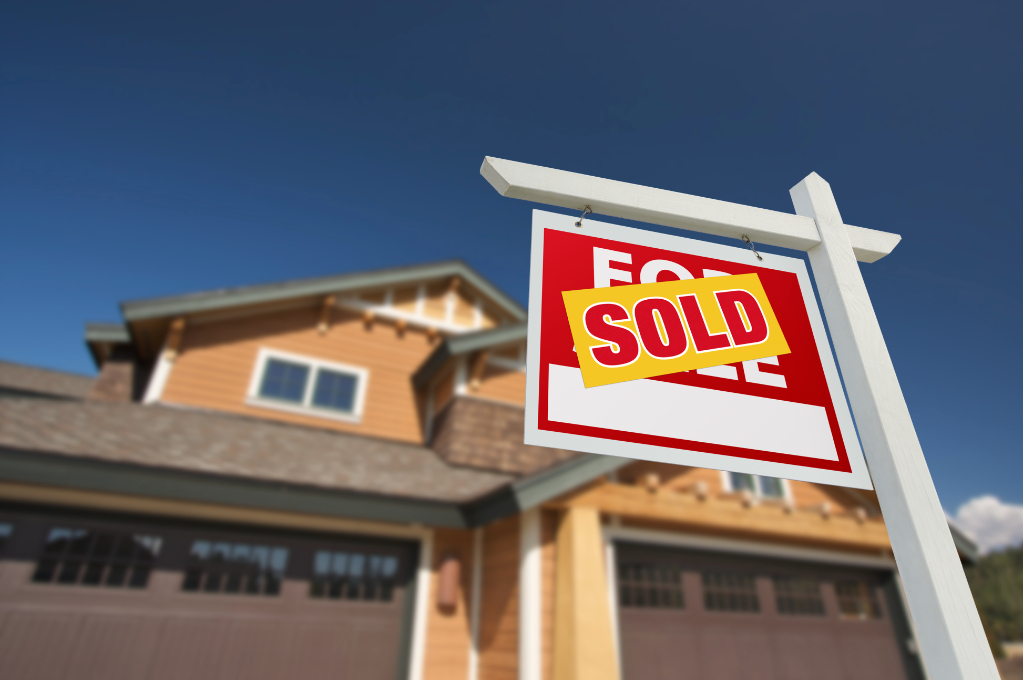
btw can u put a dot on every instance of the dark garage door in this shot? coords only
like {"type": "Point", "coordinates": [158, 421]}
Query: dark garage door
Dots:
{"type": "Point", "coordinates": [98, 598]}
{"type": "Point", "coordinates": [692, 614]}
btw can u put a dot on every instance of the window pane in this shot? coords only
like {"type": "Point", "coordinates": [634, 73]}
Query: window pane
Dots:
{"type": "Point", "coordinates": [770, 487]}
{"type": "Point", "coordinates": [284, 380]}
{"type": "Point", "coordinates": [730, 592]}
{"type": "Point", "coordinates": [742, 482]}
{"type": "Point", "coordinates": [342, 575]}
{"type": "Point", "coordinates": [5, 533]}
{"type": "Point", "coordinates": [856, 600]}
{"type": "Point", "coordinates": [335, 390]}
{"type": "Point", "coordinates": [648, 585]}
{"type": "Point", "coordinates": [83, 557]}
{"type": "Point", "coordinates": [798, 596]}
{"type": "Point", "coordinates": [224, 567]}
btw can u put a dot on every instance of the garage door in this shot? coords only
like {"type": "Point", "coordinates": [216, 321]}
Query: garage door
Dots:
{"type": "Point", "coordinates": [692, 614]}
{"type": "Point", "coordinates": [104, 598]}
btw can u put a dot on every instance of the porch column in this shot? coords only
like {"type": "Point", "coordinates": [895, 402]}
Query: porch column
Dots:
{"type": "Point", "coordinates": [583, 638]}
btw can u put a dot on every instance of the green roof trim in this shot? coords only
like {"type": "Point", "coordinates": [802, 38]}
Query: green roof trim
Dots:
{"type": "Point", "coordinates": [107, 332]}
{"type": "Point", "coordinates": [537, 489]}
{"type": "Point", "coordinates": [155, 308]}
{"type": "Point", "coordinates": [464, 344]}
{"type": "Point", "coordinates": [31, 467]}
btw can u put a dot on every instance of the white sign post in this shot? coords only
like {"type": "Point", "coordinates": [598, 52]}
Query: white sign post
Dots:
{"type": "Point", "coordinates": [945, 617]}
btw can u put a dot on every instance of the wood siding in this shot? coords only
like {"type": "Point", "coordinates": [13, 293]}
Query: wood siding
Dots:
{"type": "Point", "coordinates": [499, 605]}
{"type": "Point", "coordinates": [502, 385]}
{"type": "Point", "coordinates": [444, 391]}
{"type": "Point", "coordinates": [448, 634]}
{"type": "Point", "coordinates": [217, 361]}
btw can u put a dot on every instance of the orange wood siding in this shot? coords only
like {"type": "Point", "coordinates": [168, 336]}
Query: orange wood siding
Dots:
{"type": "Point", "coordinates": [548, 557]}
{"type": "Point", "coordinates": [671, 476]}
{"type": "Point", "coordinates": [805, 494]}
{"type": "Point", "coordinates": [443, 392]}
{"type": "Point", "coordinates": [448, 634]}
{"type": "Point", "coordinates": [499, 605]}
{"type": "Point", "coordinates": [503, 385]}
{"type": "Point", "coordinates": [435, 305]}
{"type": "Point", "coordinates": [217, 360]}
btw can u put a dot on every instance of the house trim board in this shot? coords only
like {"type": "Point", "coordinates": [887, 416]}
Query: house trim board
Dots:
{"type": "Point", "coordinates": [137, 310]}
{"type": "Point", "coordinates": [745, 547]}
{"type": "Point", "coordinates": [474, 606]}
{"type": "Point", "coordinates": [32, 467]}
{"type": "Point", "coordinates": [530, 597]}
{"type": "Point", "coordinates": [158, 379]}
{"type": "Point", "coordinates": [424, 572]}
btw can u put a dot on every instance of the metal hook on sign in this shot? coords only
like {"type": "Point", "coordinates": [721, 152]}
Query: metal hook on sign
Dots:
{"type": "Point", "coordinates": [745, 239]}
{"type": "Point", "coordinates": [586, 211]}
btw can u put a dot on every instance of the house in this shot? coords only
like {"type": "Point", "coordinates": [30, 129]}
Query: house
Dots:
{"type": "Point", "coordinates": [326, 478]}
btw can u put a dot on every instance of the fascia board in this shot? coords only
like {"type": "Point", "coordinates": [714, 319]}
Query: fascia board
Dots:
{"type": "Point", "coordinates": [139, 310]}
{"type": "Point", "coordinates": [463, 344]}
{"type": "Point", "coordinates": [106, 332]}
{"type": "Point", "coordinates": [31, 467]}
{"type": "Point", "coordinates": [539, 488]}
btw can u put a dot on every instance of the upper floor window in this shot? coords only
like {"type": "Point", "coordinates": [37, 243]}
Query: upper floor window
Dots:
{"type": "Point", "coordinates": [763, 487]}
{"type": "Point", "coordinates": [300, 384]}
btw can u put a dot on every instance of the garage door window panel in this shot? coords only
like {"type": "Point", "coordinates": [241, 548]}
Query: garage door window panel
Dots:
{"type": "Point", "coordinates": [74, 556]}
{"type": "Point", "coordinates": [857, 600]}
{"type": "Point", "coordinates": [350, 575]}
{"type": "Point", "coordinates": [235, 568]}
{"type": "Point", "coordinates": [656, 586]}
{"type": "Point", "coordinates": [730, 592]}
{"type": "Point", "coordinates": [798, 596]}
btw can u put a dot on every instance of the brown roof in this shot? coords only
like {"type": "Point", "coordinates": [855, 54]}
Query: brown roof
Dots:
{"type": "Point", "coordinates": [222, 444]}
{"type": "Point", "coordinates": [22, 379]}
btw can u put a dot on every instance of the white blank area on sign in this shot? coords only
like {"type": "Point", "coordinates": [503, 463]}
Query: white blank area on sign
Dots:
{"type": "Point", "coordinates": [694, 413]}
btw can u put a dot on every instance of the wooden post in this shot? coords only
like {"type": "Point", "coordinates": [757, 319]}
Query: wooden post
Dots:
{"type": "Point", "coordinates": [583, 634]}
{"type": "Point", "coordinates": [173, 345]}
{"type": "Point", "coordinates": [944, 614]}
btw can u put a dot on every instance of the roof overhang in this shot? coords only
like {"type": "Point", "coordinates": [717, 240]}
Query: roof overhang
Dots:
{"type": "Point", "coordinates": [182, 305]}
{"type": "Point", "coordinates": [101, 338]}
{"type": "Point", "coordinates": [468, 343]}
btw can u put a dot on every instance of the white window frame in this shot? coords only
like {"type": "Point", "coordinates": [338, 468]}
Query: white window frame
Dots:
{"type": "Point", "coordinates": [306, 408]}
{"type": "Point", "coordinates": [786, 492]}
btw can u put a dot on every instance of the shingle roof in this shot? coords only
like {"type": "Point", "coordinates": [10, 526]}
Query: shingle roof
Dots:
{"type": "Point", "coordinates": [30, 380]}
{"type": "Point", "coordinates": [222, 444]}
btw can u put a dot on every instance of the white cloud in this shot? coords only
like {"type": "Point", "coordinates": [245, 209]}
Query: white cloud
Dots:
{"type": "Point", "coordinates": [992, 523]}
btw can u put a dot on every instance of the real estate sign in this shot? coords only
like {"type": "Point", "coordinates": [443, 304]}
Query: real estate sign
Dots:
{"type": "Point", "coordinates": [657, 347]}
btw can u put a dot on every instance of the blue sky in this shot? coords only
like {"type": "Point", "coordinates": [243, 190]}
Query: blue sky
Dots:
{"type": "Point", "coordinates": [161, 148]}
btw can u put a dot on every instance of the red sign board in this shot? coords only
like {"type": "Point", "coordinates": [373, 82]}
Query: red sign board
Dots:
{"type": "Point", "coordinates": [783, 416]}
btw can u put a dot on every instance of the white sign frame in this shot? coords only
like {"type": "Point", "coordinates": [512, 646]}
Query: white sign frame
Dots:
{"type": "Point", "coordinates": [858, 477]}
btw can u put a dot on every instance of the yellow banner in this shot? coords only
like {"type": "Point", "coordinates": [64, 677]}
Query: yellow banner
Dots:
{"type": "Point", "coordinates": [630, 332]}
